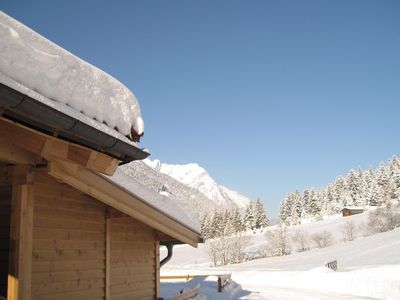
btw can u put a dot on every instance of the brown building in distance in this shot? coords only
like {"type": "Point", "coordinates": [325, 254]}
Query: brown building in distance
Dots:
{"type": "Point", "coordinates": [349, 211]}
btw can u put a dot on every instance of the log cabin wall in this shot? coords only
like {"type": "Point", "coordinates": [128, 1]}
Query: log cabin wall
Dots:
{"type": "Point", "coordinates": [133, 267]}
{"type": "Point", "coordinates": [68, 259]}
{"type": "Point", "coordinates": [80, 252]}
{"type": "Point", "coordinates": [5, 209]}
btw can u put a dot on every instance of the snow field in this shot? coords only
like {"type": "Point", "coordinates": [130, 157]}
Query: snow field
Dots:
{"type": "Point", "coordinates": [368, 267]}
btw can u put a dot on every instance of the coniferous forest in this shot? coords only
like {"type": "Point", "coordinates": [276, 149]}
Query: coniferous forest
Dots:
{"type": "Point", "coordinates": [218, 224]}
{"type": "Point", "coordinates": [371, 187]}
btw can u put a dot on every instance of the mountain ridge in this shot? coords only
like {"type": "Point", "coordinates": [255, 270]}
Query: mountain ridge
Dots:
{"type": "Point", "coordinates": [195, 176]}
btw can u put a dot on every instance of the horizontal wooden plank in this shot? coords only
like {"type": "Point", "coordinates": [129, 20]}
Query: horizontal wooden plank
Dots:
{"type": "Point", "coordinates": [46, 212]}
{"type": "Point", "coordinates": [61, 190]}
{"type": "Point", "coordinates": [127, 271]}
{"type": "Point", "coordinates": [134, 294]}
{"type": "Point", "coordinates": [66, 286]}
{"type": "Point", "coordinates": [132, 245]}
{"type": "Point", "coordinates": [47, 244]}
{"type": "Point", "coordinates": [134, 277]}
{"type": "Point", "coordinates": [62, 276]}
{"type": "Point", "coordinates": [68, 223]}
{"type": "Point", "coordinates": [130, 227]}
{"type": "Point", "coordinates": [52, 255]}
{"type": "Point", "coordinates": [41, 177]}
{"type": "Point", "coordinates": [69, 204]}
{"type": "Point", "coordinates": [65, 234]}
{"type": "Point", "coordinates": [94, 293]}
{"type": "Point", "coordinates": [118, 262]}
{"type": "Point", "coordinates": [131, 237]}
{"type": "Point", "coordinates": [58, 266]}
{"type": "Point", "coordinates": [132, 287]}
{"type": "Point", "coordinates": [149, 253]}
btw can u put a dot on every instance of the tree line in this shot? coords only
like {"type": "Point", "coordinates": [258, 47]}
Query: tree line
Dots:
{"type": "Point", "coordinates": [358, 188]}
{"type": "Point", "coordinates": [218, 224]}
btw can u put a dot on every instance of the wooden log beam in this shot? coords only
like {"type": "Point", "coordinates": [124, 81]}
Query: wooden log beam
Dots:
{"type": "Point", "coordinates": [10, 153]}
{"type": "Point", "coordinates": [13, 175]}
{"type": "Point", "coordinates": [157, 268]}
{"type": "Point", "coordinates": [20, 255]}
{"type": "Point", "coordinates": [108, 259]}
{"type": "Point", "coordinates": [50, 147]}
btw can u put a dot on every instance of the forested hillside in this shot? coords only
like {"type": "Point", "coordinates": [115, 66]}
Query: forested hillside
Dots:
{"type": "Point", "coordinates": [371, 187]}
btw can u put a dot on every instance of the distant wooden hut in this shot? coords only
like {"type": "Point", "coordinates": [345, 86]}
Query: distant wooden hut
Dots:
{"type": "Point", "coordinates": [349, 211]}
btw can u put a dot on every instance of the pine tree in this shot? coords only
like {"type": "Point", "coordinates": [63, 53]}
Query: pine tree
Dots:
{"type": "Point", "coordinates": [285, 212]}
{"type": "Point", "coordinates": [297, 208]}
{"type": "Point", "coordinates": [314, 207]}
{"type": "Point", "coordinates": [206, 226]}
{"type": "Point", "coordinates": [237, 220]}
{"type": "Point", "coordinates": [260, 216]}
{"type": "Point", "coordinates": [217, 224]}
{"type": "Point", "coordinates": [382, 177]}
{"type": "Point", "coordinates": [249, 219]}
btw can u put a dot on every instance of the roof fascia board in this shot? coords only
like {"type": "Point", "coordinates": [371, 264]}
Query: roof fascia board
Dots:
{"type": "Point", "coordinates": [50, 147]}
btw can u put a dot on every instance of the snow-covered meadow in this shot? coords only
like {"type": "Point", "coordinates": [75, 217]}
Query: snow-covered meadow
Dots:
{"type": "Point", "coordinates": [368, 267]}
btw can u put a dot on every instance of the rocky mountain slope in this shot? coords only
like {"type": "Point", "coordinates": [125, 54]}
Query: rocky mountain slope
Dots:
{"type": "Point", "coordinates": [191, 185]}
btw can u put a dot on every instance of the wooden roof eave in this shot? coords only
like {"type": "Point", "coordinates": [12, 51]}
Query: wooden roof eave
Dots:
{"type": "Point", "coordinates": [105, 191]}
{"type": "Point", "coordinates": [16, 136]}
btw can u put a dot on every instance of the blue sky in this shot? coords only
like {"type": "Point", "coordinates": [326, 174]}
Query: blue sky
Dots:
{"type": "Point", "coordinates": [268, 96]}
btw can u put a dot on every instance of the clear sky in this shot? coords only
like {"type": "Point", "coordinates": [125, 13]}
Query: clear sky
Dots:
{"type": "Point", "coordinates": [268, 96]}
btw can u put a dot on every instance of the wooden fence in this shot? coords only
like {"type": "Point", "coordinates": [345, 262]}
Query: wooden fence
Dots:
{"type": "Point", "coordinates": [223, 280]}
{"type": "Point", "coordinates": [332, 265]}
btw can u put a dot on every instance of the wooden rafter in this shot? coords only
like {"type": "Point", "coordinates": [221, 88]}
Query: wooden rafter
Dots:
{"type": "Point", "coordinates": [50, 147]}
{"type": "Point", "coordinates": [112, 195]}
{"type": "Point", "coordinates": [10, 153]}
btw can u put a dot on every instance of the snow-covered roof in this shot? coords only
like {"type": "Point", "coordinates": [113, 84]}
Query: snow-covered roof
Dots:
{"type": "Point", "coordinates": [354, 207]}
{"type": "Point", "coordinates": [53, 76]}
{"type": "Point", "coordinates": [166, 205]}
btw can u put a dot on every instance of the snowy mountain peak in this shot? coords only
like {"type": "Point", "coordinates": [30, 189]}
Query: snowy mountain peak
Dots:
{"type": "Point", "coordinates": [198, 178]}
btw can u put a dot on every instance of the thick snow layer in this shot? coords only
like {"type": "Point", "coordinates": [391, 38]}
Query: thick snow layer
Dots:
{"type": "Point", "coordinates": [197, 177]}
{"type": "Point", "coordinates": [42, 66]}
{"type": "Point", "coordinates": [4, 79]}
{"type": "Point", "coordinates": [164, 204]}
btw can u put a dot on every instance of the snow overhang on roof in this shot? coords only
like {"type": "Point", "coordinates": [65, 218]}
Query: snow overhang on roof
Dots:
{"type": "Point", "coordinates": [45, 86]}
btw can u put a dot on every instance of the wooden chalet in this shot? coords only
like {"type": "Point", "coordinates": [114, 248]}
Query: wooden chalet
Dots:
{"type": "Point", "coordinates": [67, 231]}
{"type": "Point", "coordinates": [71, 225]}
{"type": "Point", "coordinates": [349, 211]}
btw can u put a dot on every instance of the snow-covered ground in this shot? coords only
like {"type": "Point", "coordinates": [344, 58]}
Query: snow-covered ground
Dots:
{"type": "Point", "coordinates": [368, 268]}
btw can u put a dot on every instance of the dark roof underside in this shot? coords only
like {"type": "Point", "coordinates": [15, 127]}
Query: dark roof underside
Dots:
{"type": "Point", "coordinates": [25, 110]}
